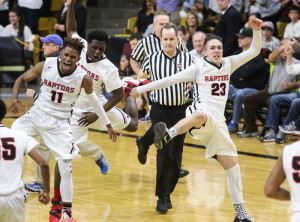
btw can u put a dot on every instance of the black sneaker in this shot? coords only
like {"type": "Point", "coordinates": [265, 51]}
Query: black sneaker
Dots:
{"type": "Point", "coordinates": [161, 138]}
{"type": "Point", "coordinates": [183, 173]}
{"type": "Point", "coordinates": [142, 154]}
{"type": "Point", "coordinates": [247, 219]}
{"type": "Point", "coordinates": [162, 206]}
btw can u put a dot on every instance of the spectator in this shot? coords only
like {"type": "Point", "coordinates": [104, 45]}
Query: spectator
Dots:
{"type": "Point", "coordinates": [229, 24]}
{"type": "Point", "coordinates": [254, 101]}
{"type": "Point", "coordinates": [193, 25]}
{"type": "Point", "coordinates": [18, 28]}
{"type": "Point", "coordinates": [247, 79]}
{"type": "Point", "coordinates": [278, 101]}
{"type": "Point", "coordinates": [270, 11]}
{"type": "Point", "coordinates": [293, 28]}
{"type": "Point", "coordinates": [144, 16]}
{"type": "Point", "coordinates": [31, 11]}
{"type": "Point", "coordinates": [80, 16]}
{"type": "Point", "coordinates": [269, 42]}
{"type": "Point", "coordinates": [4, 9]}
{"type": "Point", "coordinates": [171, 6]}
{"type": "Point", "coordinates": [125, 68]}
{"type": "Point", "coordinates": [183, 33]}
{"type": "Point", "coordinates": [198, 44]}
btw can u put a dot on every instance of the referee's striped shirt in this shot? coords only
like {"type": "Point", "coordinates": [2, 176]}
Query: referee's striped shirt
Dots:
{"type": "Point", "coordinates": [151, 44]}
{"type": "Point", "coordinates": [158, 65]}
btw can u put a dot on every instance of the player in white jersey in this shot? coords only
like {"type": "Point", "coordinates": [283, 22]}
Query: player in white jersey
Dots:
{"type": "Point", "coordinates": [205, 117]}
{"type": "Point", "coordinates": [49, 117]}
{"type": "Point", "coordinates": [287, 167]}
{"type": "Point", "coordinates": [13, 146]}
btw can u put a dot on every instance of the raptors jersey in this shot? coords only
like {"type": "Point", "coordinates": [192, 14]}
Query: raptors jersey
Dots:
{"type": "Point", "coordinates": [58, 91]}
{"type": "Point", "coordinates": [13, 145]}
{"type": "Point", "coordinates": [291, 166]}
{"type": "Point", "coordinates": [103, 73]}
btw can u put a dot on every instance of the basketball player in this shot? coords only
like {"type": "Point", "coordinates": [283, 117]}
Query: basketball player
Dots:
{"type": "Point", "coordinates": [287, 167]}
{"type": "Point", "coordinates": [52, 45]}
{"type": "Point", "coordinates": [205, 119]}
{"type": "Point", "coordinates": [103, 73]}
{"type": "Point", "coordinates": [13, 145]}
{"type": "Point", "coordinates": [49, 117]}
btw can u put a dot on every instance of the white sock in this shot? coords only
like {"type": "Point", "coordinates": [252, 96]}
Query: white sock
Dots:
{"type": "Point", "coordinates": [172, 132]}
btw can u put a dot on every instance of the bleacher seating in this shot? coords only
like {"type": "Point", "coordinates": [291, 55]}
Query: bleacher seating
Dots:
{"type": "Point", "coordinates": [12, 62]}
{"type": "Point", "coordinates": [46, 25]}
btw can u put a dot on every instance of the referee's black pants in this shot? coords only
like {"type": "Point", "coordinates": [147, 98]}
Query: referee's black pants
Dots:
{"type": "Point", "coordinates": [168, 160]}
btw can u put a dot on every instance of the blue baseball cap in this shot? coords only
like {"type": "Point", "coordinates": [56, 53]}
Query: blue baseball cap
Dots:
{"type": "Point", "coordinates": [52, 38]}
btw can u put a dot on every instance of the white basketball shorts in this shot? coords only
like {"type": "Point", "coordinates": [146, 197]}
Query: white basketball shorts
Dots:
{"type": "Point", "coordinates": [214, 134]}
{"type": "Point", "coordinates": [55, 132]}
{"type": "Point", "coordinates": [12, 207]}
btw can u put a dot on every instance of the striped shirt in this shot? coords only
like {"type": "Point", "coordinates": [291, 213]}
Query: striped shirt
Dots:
{"type": "Point", "coordinates": [158, 65]}
{"type": "Point", "coordinates": [151, 44]}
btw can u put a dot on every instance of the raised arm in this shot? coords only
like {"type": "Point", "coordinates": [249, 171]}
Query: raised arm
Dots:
{"type": "Point", "coordinates": [71, 25]}
{"type": "Point", "coordinates": [293, 69]}
{"type": "Point", "coordinates": [189, 74]}
{"type": "Point", "coordinates": [253, 51]}
{"type": "Point", "coordinates": [27, 76]}
{"type": "Point", "coordinates": [95, 102]}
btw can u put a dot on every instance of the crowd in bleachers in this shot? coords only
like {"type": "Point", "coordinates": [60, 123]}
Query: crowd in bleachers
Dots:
{"type": "Point", "coordinates": [264, 76]}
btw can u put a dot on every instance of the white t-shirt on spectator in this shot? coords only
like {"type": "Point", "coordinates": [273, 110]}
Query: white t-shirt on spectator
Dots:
{"type": "Point", "coordinates": [292, 30]}
{"type": "Point", "coordinates": [1, 28]}
{"type": "Point", "coordinates": [4, 6]}
{"type": "Point", "coordinates": [32, 4]}
{"type": "Point", "coordinates": [28, 37]}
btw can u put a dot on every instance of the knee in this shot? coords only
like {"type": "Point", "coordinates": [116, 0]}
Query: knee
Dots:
{"type": "Point", "coordinates": [199, 118]}
{"type": "Point", "coordinates": [65, 168]}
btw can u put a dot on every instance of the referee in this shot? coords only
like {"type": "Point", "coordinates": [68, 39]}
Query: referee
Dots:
{"type": "Point", "coordinates": [168, 105]}
{"type": "Point", "coordinates": [145, 47]}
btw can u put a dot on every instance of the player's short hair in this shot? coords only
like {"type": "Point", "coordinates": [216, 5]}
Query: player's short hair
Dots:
{"type": "Point", "coordinates": [169, 26]}
{"type": "Point", "coordinates": [97, 35]}
{"type": "Point", "coordinates": [211, 37]}
{"type": "Point", "coordinates": [2, 109]}
{"type": "Point", "coordinates": [73, 43]}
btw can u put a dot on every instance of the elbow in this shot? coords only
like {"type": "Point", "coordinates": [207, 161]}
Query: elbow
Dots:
{"type": "Point", "coordinates": [44, 164]}
{"type": "Point", "coordinates": [270, 191]}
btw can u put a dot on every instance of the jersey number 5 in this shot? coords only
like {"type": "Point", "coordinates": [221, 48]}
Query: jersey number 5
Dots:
{"type": "Point", "coordinates": [7, 148]}
{"type": "Point", "coordinates": [218, 89]}
{"type": "Point", "coordinates": [53, 97]}
{"type": "Point", "coordinates": [296, 166]}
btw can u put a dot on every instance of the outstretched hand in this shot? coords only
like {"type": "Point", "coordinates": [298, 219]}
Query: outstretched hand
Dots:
{"type": "Point", "coordinates": [255, 23]}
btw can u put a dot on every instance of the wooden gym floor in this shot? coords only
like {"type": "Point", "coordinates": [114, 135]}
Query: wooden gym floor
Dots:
{"type": "Point", "coordinates": [126, 193]}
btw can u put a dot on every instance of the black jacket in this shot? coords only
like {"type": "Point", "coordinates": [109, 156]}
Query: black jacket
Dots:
{"type": "Point", "coordinates": [253, 74]}
{"type": "Point", "coordinates": [229, 25]}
